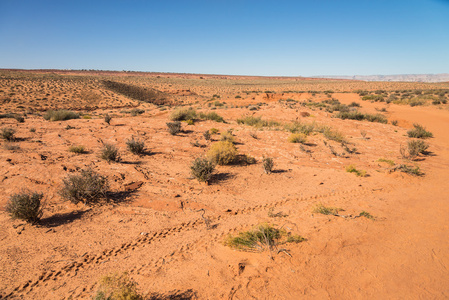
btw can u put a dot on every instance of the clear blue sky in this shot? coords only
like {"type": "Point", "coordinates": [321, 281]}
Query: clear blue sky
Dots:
{"type": "Point", "coordinates": [290, 38]}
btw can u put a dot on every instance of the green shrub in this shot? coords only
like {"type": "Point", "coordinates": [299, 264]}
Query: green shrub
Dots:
{"type": "Point", "coordinates": [298, 127]}
{"type": "Point", "coordinates": [135, 146]}
{"type": "Point", "coordinates": [333, 135]}
{"type": "Point", "coordinates": [352, 169]}
{"type": "Point", "coordinates": [202, 169]}
{"type": "Point", "coordinates": [26, 206]}
{"type": "Point", "coordinates": [261, 237]}
{"type": "Point", "coordinates": [8, 134]}
{"type": "Point", "coordinates": [183, 114]}
{"type": "Point", "coordinates": [297, 138]}
{"type": "Point", "coordinates": [419, 132]}
{"type": "Point", "coordinates": [355, 115]}
{"type": "Point", "coordinates": [77, 149]}
{"type": "Point", "coordinates": [268, 164]}
{"type": "Point", "coordinates": [207, 135]}
{"type": "Point", "coordinates": [416, 147]}
{"type": "Point", "coordinates": [117, 287]}
{"type": "Point", "coordinates": [60, 115]}
{"type": "Point", "coordinates": [325, 210]}
{"type": "Point", "coordinates": [87, 187]}
{"type": "Point", "coordinates": [214, 131]}
{"type": "Point", "coordinates": [222, 153]}
{"type": "Point", "coordinates": [415, 171]}
{"type": "Point", "coordinates": [109, 153]}
{"type": "Point", "coordinates": [387, 161]}
{"type": "Point", "coordinates": [174, 127]}
{"type": "Point", "coordinates": [213, 116]}
{"type": "Point", "coordinates": [257, 122]}
{"type": "Point", "coordinates": [367, 215]}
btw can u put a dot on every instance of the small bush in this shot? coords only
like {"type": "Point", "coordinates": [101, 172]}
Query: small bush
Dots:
{"type": "Point", "coordinates": [136, 146]}
{"type": "Point", "coordinates": [117, 287]}
{"type": "Point", "coordinates": [227, 136]}
{"type": "Point", "coordinates": [297, 138]}
{"type": "Point", "coordinates": [107, 119]}
{"type": "Point", "coordinates": [268, 164]}
{"type": "Point", "coordinates": [207, 135]}
{"type": "Point", "coordinates": [214, 131]}
{"type": "Point", "coordinates": [352, 169]}
{"type": "Point", "coordinates": [222, 153]}
{"type": "Point", "coordinates": [174, 127]}
{"type": "Point", "coordinates": [32, 129]}
{"type": "Point", "coordinates": [87, 187]}
{"type": "Point", "coordinates": [183, 114]}
{"type": "Point", "coordinates": [419, 132]}
{"type": "Point", "coordinates": [26, 206]}
{"type": "Point", "coordinates": [355, 115]}
{"type": "Point", "coordinates": [297, 127]}
{"type": "Point", "coordinates": [8, 134]}
{"type": "Point", "coordinates": [261, 237]}
{"type": "Point", "coordinates": [213, 116]}
{"type": "Point", "coordinates": [394, 122]}
{"type": "Point", "coordinates": [60, 115]}
{"type": "Point", "coordinates": [257, 122]}
{"type": "Point", "coordinates": [333, 135]}
{"type": "Point", "coordinates": [77, 149]}
{"type": "Point", "coordinates": [367, 215]}
{"type": "Point", "coordinates": [416, 147]}
{"type": "Point", "coordinates": [202, 169]}
{"type": "Point", "coordinates": [109, 153]}
{"type": "Point", "coordinates": [321, 209]}
{"type": "Point", "coordinates": [136, 112]}
{"type": "Point", "coordinates": [387, 161]}
{"type": "Point", "coordinates": [415, 171]}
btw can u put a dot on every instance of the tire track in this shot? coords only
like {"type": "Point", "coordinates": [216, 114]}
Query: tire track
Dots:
{"type": "Point", "coordinates": [91, 260]}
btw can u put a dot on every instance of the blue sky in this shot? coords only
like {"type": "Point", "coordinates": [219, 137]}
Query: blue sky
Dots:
{"type": "Point", "coordinates": [240, 37]}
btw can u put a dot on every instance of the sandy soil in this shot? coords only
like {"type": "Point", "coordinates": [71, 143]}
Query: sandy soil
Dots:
{"type": "Point", "coordinates": [156, 231]}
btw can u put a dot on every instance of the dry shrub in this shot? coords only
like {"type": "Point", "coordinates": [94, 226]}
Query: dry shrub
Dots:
{"type": "Point", "coordinates": [202, 169]}
{"type": "Point", "coordinates": [183, 114]}
{"type": "Point", "coordinates": [174, 127]}
{"type": "Point", "coordinates": [268, 164]}
{"type": "Point", "coordinates": [109, 153]}
{"type": "Point", "coordinates": [26, 206]}
{"type": "Point", "coordinates": [297, 138]}
{"type": "Point", "coordinates": [136, 146]}
{"type": "Point", "coordinates": [8, 134]}
{"type": "Point", "coordinates": [222, 153]}
{"type": "Point", "coordinates": [117, 287]}
{"type": "Point", "coordinates": [60, 115]}
{"type": "Point", "coordinates": [87, 187]}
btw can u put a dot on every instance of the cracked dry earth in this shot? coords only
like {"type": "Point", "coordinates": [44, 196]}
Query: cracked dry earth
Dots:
{"type": "Point", "coordinates": [167, 230]}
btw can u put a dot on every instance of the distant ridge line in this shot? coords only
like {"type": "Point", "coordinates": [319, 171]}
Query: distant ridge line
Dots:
{"type": "Point", "coordinates": [442, 77]}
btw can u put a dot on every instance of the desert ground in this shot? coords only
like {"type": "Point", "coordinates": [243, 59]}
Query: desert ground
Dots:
{"type": "Point", "coordinates": [386, 236]}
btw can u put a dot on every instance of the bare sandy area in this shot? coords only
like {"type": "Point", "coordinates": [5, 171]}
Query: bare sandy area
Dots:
{"type": "Point", "coordinates": [168, 231]}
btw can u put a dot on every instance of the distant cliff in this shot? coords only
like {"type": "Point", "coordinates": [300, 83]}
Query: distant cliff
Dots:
{"type": "Point", "coordinates": [405, 77]}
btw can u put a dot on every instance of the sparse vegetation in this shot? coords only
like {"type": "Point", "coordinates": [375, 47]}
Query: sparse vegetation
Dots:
{"type": "Point", "coordinates": [183, 114]}
{"type": "Point", "coordinates": [107, 119]}
{"type": "Point", "coordinates": [26, 206]}
{"type": "Point", "coordinates": [387, 161]}
{"type": "Point", "coordinates": [359, 173]}
{"type": "Point", "coordinates": [227, 136]}
{"type": "Point", "coordinates": [222, 153]}
{"type": "Point", "coordinates": [333, 135]}
{"type": "Point", "coordinates": [260, 238]}
{"type": "Point", "coordinates": [174, 127]}
{"type": "Point", "coordinates": [415, 171]}
{"type": "Point", "coordinates": [355, 115]}
{"type": "Point", "coordinates": [136, 146]}
{"type": "Point", "coordinates": [367, 215]}
{"type": "Point", "coordinates": [268, 164]}
{"type": "Point", "coordinates": [87, 187]}
{"type": "Point", "coordinates": [202, 169]}
{"type": "Point", "coordinates": [77, 149]}
{"type": "Point", "coordinates": [257, 122]}
{"type": "Point", "coordinates": [117, 287]}
{"type": "Point", "coordinates": [419, 132]}
{"type": "Point", "coordinates": [213, 116]}
{"type": "Point", "coordinates": [297, 138]}
{"type": "Point", "coordinates": [207, 135]}
{"type": "Point", "coordinates": [326, 210]}
{"type": "Point", "coordinates": [60, 115]}
{"type": "Point", "coordinates": [8, 134]}
{"type": "Point", "coordinates": [109, 153]}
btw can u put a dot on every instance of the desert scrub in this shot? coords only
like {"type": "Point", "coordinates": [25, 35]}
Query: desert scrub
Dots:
{"type": "Point", "coordinates": [107, 119]}
{"type": "Point", "coordinates": [77, 149]}
{"type": "Point", "coordinates": [333, 135]}
{"type": "Point", "coordinates": [207, 135]}
{"type": "Point", "coordinates": [213, 116]}
{"type": "Point", "coordinates": [227, 136]}
{"type": "Point", "coordinates": [222, 153]}
{"type": "Point", "coordinates": [355, 115]}
{"type": "Point", "coordinates": [183, 114]}
{"type": "Point", "coordinates": [415, 171]}
{"type": "Point", "coordinates": [261, 237]}
{"type": "Point", "coordinates": [416, 147]}
{"type": "Point", "coordinates": [87, 187]}
{"type": "Point", "coordinates": [136, 146]}
{"type": "Point", "coordinates": [8, 134]}
{"type": "Point", "coordinates": [60, 115]}
{"type": "Point", "coordinates": [387, 161]}
{"type": "Point", "coordinates": [257, 122]}
{"type": "Point", "coordinates": [419, 132]}
{"type": "Point", "coordinates": [359, 173]}
{"type": "Point", "coordinates": [117, 287]}
{"type": "Point", "coordinates": [326, 210]}
{"type": "Point", "coordinates": [297, 138]}
{"type": "Point", "coordinates": [268, 164]}
{"type": "Point", "coordinates": [367, 215]}
{"type": "Point", "coordinates": [174, 127]}
{"type": "Point", "coordinates": [26, 206]}
{"type": "Point", "coordinates": [109, 153]}
{"type": "Point", "coordinates": [298, 127]}
{"type": "Point", "coordinates": [202, 169]}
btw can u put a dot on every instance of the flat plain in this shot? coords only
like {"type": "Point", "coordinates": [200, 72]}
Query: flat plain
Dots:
{"type": "Point", "coordinates": [385, 234]}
